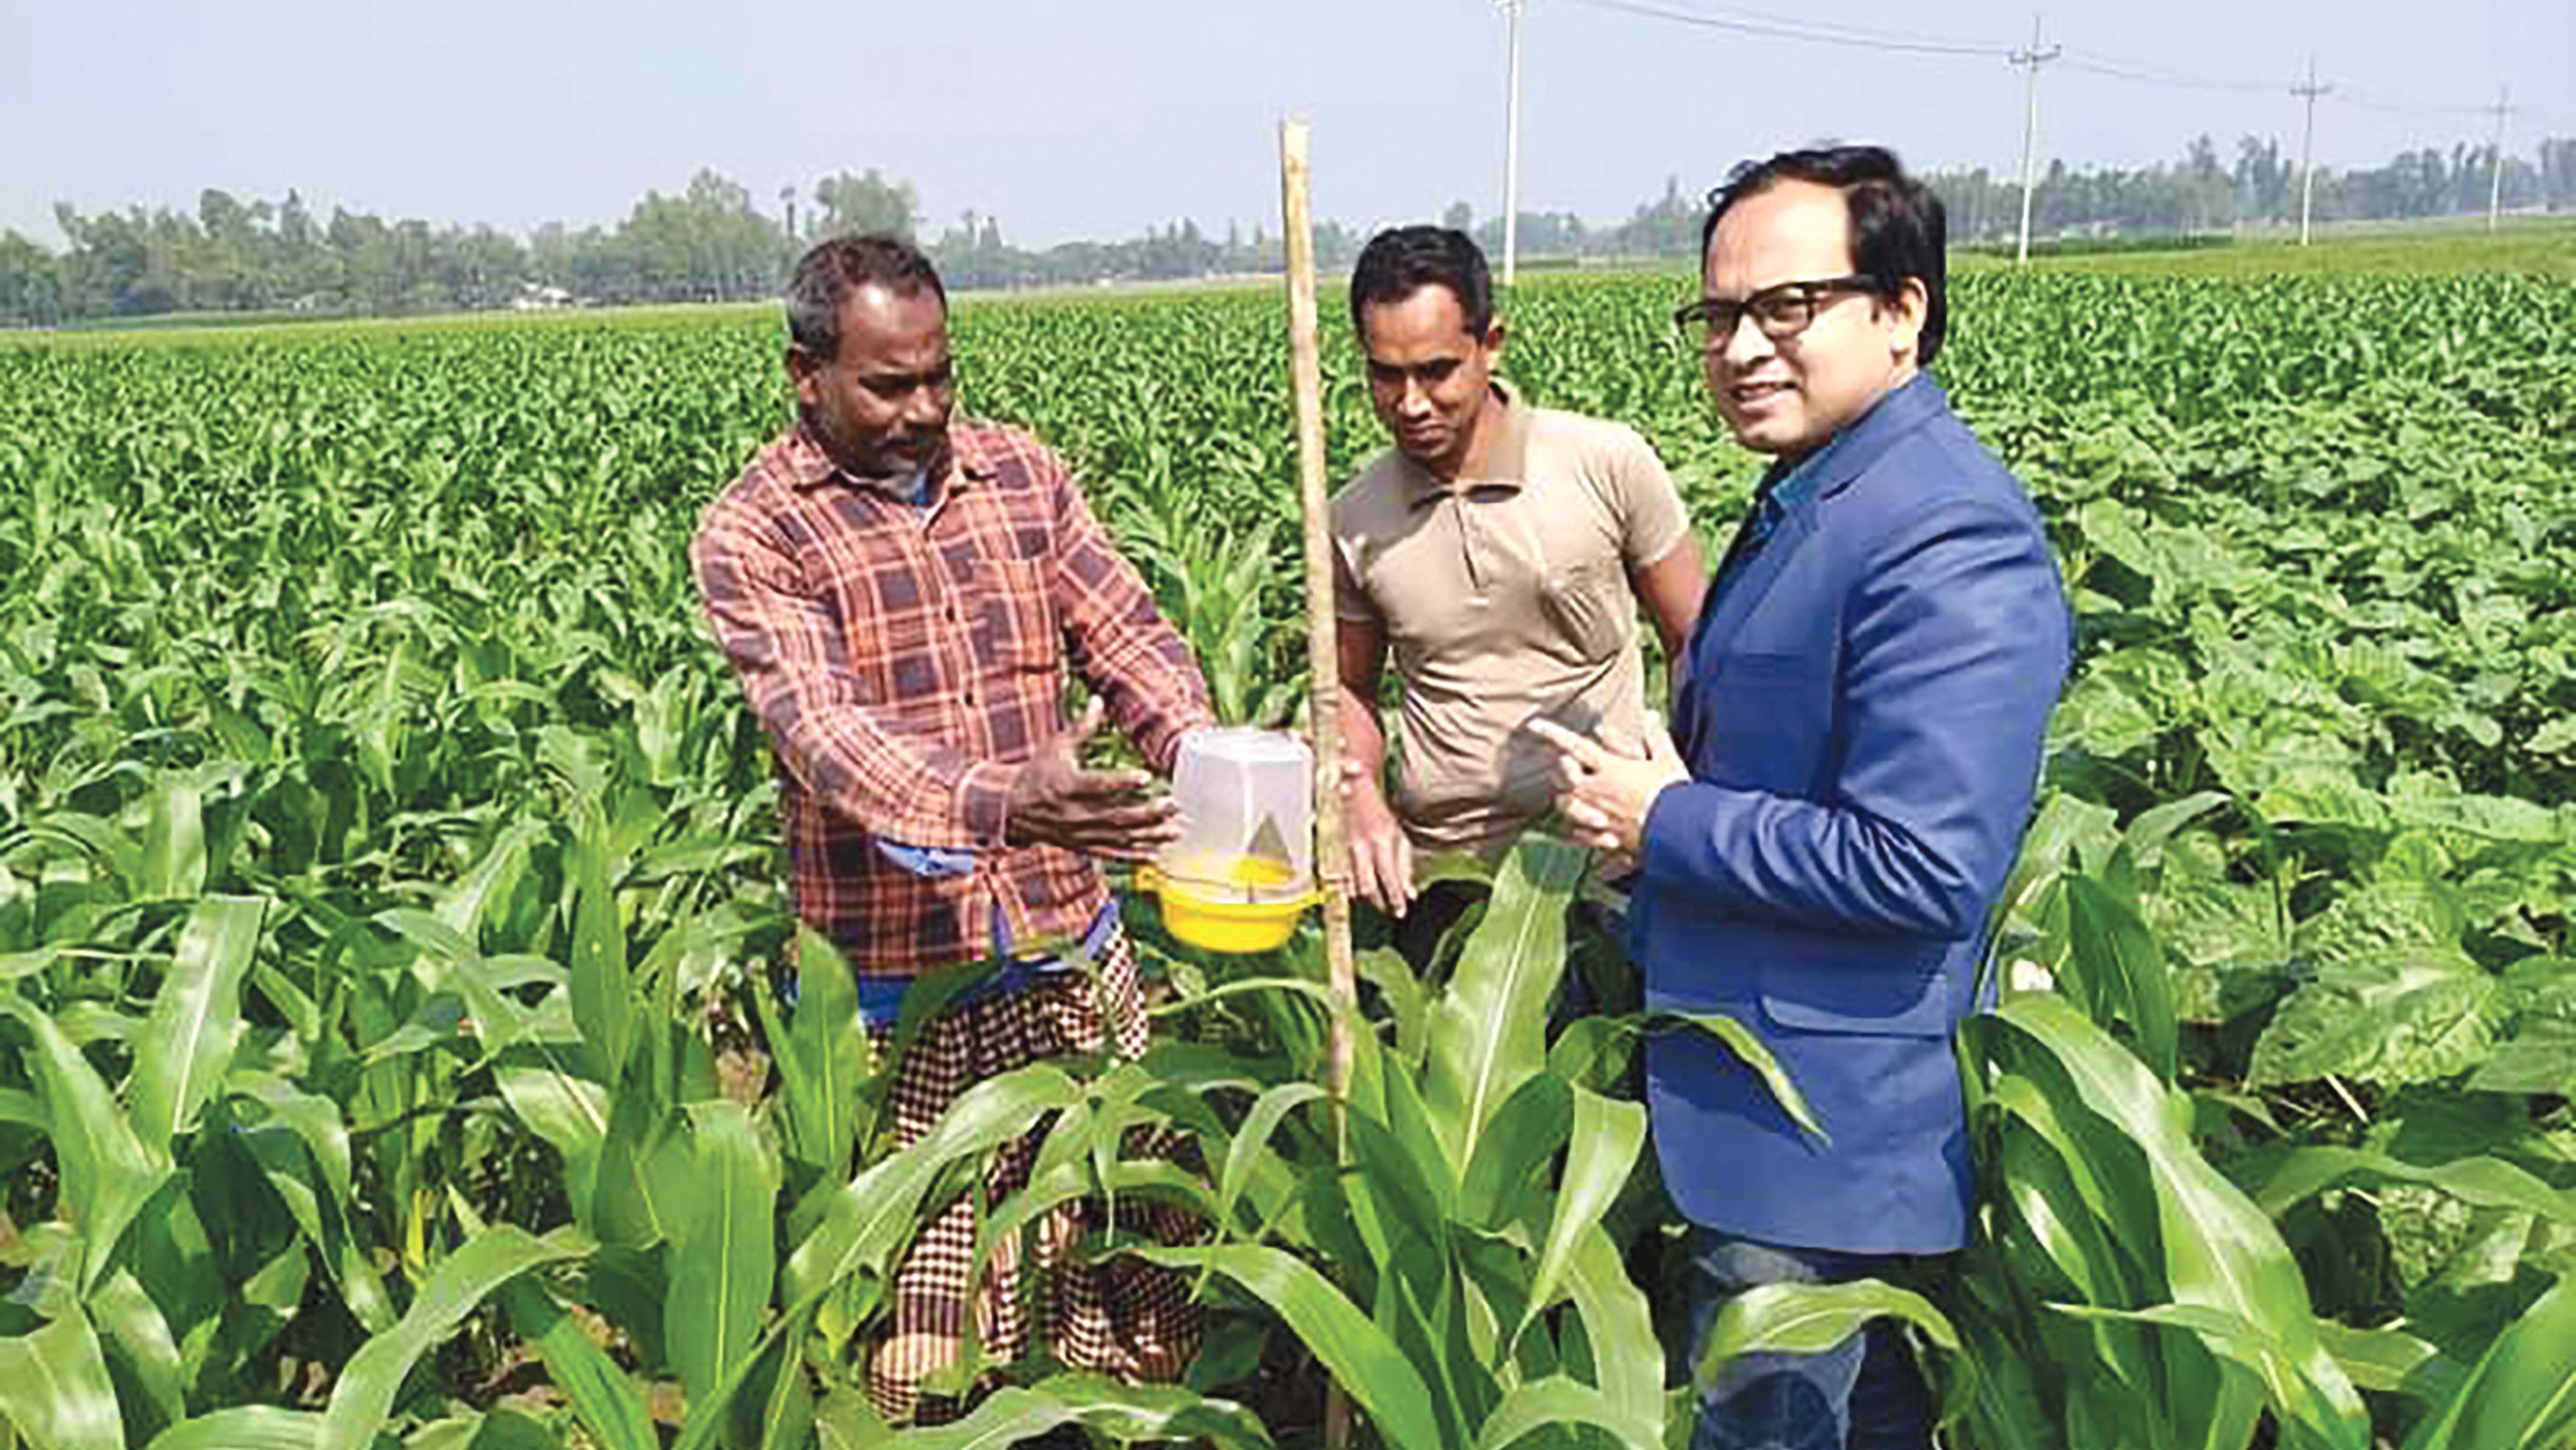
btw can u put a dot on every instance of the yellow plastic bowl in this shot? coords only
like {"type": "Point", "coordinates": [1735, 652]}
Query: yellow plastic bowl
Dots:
{"type": "Point", "coordinates": [1215, 910]}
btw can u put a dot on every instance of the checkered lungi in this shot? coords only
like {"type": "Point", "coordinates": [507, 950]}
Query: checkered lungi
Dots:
{"type": "Point", "coordinates": [1122, 1318]}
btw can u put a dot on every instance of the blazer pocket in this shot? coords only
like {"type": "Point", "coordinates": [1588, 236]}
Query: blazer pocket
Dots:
{"type": "Point", "coordinates": [1899, 1000]}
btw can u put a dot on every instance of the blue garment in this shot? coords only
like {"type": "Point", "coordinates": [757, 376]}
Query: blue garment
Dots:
{"type": "Point", "coordinates": [1862, 716]}
{"type": "Point", "coordinates": [1783, 487]}
{"type": "Point", "coordinates": [930, 861]}
{"type": "Point", "coordinates": [881, 998]}
{"type": "Point", "coordinates": [1863, 1394]}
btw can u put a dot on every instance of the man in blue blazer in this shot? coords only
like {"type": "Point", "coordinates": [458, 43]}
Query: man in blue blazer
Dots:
{"type": "Point", "coordinates": [1855, 744]}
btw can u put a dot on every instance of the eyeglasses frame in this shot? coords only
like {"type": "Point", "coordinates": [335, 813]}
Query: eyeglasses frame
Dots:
{"type": "Point", "coordinates": [1695, 318]}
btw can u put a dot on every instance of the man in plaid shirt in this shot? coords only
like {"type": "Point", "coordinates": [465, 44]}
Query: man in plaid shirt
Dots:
{"type": "Point", "coordinates": [903, 593]}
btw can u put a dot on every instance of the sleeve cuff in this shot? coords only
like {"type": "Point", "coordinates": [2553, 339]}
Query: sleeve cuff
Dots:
{"type": "Point", "coordinates": [1678, 814]}
{"type": "Point", "coordinates": [1663, 550]}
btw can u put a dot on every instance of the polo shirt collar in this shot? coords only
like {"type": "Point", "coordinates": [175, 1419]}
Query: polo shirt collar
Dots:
{"type": "Point", "coordinates": [1506, 466]}
{"type": "Point", "coordinates": [964, 458]}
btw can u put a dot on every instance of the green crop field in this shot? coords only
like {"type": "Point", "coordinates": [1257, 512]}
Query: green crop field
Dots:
{"type": "Point", "coordinates": [2535, 247]}
{"type": "Point", "coordinates": [388, 884]}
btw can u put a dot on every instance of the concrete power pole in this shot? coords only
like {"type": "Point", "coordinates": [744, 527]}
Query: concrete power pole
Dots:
{"type": "Point", "coordinates": [2495, 187]}
{"type": "Point", "coordinates": [2307, 137]}
{"type": "Point", "coordinates": [1512, 145]}
{"type": "Point", "coordinates": [2030, 61]}
{"type": "Point", "coordinates": [787, 198]}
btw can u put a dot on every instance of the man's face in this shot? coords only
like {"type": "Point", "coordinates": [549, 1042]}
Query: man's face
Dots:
{"type": "Point", "coordinates": [880, 408]}
{"type": "Point", "coordinates": [1428, 374]}
{"type": "Point", "coordinates": [1789, 396]}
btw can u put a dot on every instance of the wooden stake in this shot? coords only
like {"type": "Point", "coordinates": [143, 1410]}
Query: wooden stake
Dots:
{"type": "Point", "coordinates": [1323, 655]}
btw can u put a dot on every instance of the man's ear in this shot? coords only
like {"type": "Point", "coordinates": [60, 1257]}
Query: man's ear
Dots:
{"type": "Point", "coordinates": [1494, 337]}
{"type": "Point", "coordinates": [803, 366]}
{"type": "Point", "coordinates": [1906, 312]}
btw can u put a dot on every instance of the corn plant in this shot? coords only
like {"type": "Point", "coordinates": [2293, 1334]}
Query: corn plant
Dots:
{"type": "Point", "coordinates": [381, 846]}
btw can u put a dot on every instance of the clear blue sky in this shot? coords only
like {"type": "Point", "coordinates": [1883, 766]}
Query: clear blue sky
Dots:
{"type": "Point", "coordinates": [1075, 118]}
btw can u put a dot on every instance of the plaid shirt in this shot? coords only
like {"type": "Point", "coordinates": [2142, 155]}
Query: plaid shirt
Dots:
{"type": "Point", "coordinates": [906, 659]}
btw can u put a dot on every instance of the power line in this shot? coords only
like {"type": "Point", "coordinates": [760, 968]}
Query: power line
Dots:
{"type": "Point", "coordinates": [1826, 32]}
{"type": "Point", "coordinates": [1809, 24]}
{"type": "Point", "coordinates": [2085, 60]}
{"type": "Point", "coordinates": [2413, 107]}
{"type": "Point", "coordinates": [2029, 60]}
{"type": "Point", "coordinates": [1785, 30]}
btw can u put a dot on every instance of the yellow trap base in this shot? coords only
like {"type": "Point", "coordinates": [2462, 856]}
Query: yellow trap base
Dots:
{"type": "Point", "coordinates": [1228, 904]}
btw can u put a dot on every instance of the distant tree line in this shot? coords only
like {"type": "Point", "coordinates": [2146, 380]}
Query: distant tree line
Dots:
{"type": "Point", "coordinates": [2202, 192]}
{"type": "Point", "coordinates": [711, 242]}
{"type": "Point", "coordinates": [2259, 186]}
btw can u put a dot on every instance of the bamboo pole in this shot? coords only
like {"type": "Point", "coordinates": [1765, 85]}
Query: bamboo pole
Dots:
{"type": "Point", "coordinates": [1306, 383]}
{"type": "Point", "coordinates": [1323, 655]}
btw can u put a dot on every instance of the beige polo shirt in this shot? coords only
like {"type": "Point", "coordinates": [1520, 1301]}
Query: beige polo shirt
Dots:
{"type": "Point", "coordinates": [1504, 599]}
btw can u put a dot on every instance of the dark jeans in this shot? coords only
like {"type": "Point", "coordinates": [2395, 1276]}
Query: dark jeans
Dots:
{"type": "Point", "coordinates": [1863, 1394]}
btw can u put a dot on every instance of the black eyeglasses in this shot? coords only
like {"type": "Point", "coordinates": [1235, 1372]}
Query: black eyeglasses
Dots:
{"type": "Point", "coordinates": [1782, 310]}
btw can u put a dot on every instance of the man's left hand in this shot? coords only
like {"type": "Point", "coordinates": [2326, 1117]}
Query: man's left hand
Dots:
{"type": "Point", "coordinates": [1606, 790]}
{"type": "Point", "coordinates": [1104, 813]}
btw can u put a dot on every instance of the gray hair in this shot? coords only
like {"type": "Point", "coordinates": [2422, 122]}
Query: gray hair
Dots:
{"type": "Point", "coordinates": [827, 274]}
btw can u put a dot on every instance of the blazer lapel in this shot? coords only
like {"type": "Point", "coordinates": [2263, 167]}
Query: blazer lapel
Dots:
{"type": "Point", "coordinates": [1753, 580]}
{"type": "Point", "coordinates": [1862, 445]}
{"type": "Point", "coordinates": [1918, 402]}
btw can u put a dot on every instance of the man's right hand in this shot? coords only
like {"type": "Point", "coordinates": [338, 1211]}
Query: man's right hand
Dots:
{"type": "Point", "coordinates": [1381, 855]}
{"type": "Point", "coordinates": [1104, 813]}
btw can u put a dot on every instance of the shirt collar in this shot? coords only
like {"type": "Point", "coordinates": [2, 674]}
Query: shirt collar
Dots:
{"type": "Point", "coordinates": [965, 458]}
{"type": "Point", "coordinates": [1506, 465]}
{"type": "Point", "coordinates": [1788, 485]}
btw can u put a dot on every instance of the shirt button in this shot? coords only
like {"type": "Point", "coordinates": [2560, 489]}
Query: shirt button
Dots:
{"type": "Point", "coordinates": [970, 697]}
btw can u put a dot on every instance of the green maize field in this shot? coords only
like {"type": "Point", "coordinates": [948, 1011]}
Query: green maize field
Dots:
{"type": "Point", "coordinates": [388, 887]}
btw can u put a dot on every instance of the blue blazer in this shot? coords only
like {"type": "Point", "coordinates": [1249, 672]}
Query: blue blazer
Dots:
{"type": "Point", "coordinates": [1862, 715]}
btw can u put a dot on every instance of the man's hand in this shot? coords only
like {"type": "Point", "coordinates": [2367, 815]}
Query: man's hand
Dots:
{"type": "Point", "coordinates": [1103, 813]}
{"type": "Point", "coordinates": [1381, 855]}
{"type": "Point", "coordinates": [1606, 792]}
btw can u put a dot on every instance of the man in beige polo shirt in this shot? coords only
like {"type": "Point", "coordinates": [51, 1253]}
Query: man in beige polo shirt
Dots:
{"type": "Point", "coordinates": [1499, 552]}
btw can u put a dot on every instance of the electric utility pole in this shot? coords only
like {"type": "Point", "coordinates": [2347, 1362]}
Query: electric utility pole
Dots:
{"type": "Point", "coordinates": [2495, 188]}
{"type": "Point", "coordinates": [2030, 61]}
{"type": "Point", "coordinates": [1512, 144]}
{"type": "Point", "coordinates": [2307, 137]}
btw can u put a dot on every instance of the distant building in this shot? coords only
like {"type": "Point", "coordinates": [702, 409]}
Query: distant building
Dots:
{"type": "Point", "coordinates": [535, 297]}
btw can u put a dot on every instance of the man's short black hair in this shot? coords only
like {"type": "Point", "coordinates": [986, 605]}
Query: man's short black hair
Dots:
{"type": "Point", "coordinates": [834, 268]}
{"type": "Point", "coordinates": [1401, 261]}
{"type": "Point", "coordinates": [1898, 229]}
